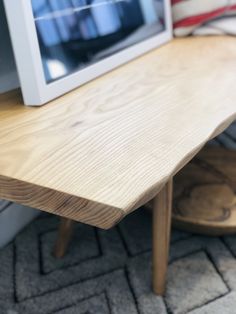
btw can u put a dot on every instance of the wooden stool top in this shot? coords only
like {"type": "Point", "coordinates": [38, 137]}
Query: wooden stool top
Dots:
{"type": "Point", "coordinates": [101, 151]}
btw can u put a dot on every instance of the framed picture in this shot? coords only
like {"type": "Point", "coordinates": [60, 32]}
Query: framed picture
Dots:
{"type": "Point", "coordinates": [62, 44]}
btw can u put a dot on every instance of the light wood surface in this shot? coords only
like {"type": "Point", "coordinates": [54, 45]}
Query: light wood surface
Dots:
{"type": "Point", "coordinates": [205, 193]}
{"type": "Point", "coordinates": [162, 211]}
{"type": "Point", "coordinates": [105, 149]}
{"type": "Point", "coordinates": [63, 238]}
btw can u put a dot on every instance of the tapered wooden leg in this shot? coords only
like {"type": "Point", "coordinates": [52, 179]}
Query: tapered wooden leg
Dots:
{"type": "Point", "coordinates": [161, 237]}
{"type": "Point", "coordinates": [63, 238]}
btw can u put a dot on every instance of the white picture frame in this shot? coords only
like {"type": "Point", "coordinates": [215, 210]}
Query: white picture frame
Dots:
{"type": "Point", "coordinates": [36, 91]}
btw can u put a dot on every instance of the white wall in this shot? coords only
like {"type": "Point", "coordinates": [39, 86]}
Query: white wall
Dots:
{"type": "Point", "coordinates": [13, 218]}
{"type": "Point", "coordinates": [8, 74]}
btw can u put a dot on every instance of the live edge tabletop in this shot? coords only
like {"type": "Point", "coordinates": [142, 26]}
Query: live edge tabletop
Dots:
{"type": "Point", "coordinates": [101, 151]}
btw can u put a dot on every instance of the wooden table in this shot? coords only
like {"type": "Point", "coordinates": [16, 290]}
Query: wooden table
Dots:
{"type": "Point", "coordinates": [100, 152]}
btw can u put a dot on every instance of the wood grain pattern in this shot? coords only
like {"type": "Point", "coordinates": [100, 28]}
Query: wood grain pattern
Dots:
{"type": "Point", "coordinates": [162, 211]}
{"type": "Point", "coordinates": [63, 238]}
{"type": "Point", "coordinates": [100, 152]}
{"type": "Point", "coordinates": [205, 193]}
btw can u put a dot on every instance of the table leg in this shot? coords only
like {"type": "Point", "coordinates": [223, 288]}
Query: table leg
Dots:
{"type": "Point", "coordinates": [63, 238]}
{"type": "Point", "coordinates": [161, 237]}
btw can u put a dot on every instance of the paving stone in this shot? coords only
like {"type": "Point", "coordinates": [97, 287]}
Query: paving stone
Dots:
{"type": "Point", "coordinates": [193, 281]}
{"type": "Point", "coordinates": [138, 223]}
{"type": "Point", "coordinates": [97, 304]}
{"type": "Point", "coordinates": [83, 237]}
{"type": "Point", "coordinates": [230, 241]}
{"type": "Point", "coordinates": [224, 305]}
{"type": "Point", "coordinates": [141, 283]}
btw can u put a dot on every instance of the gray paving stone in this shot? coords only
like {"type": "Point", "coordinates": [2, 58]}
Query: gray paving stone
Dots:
{"type": "Point", "coordinates": [230, 241]}
{"type": "Point", "coordinates": [193, 281]}
{"type": "Point", "coordinates": [224, 305]}
{"type": "Point", "coordinates": [83, 236]}
{"type": "Point", "coordinates": [96, 304]}
{"type": "Point", "coordinates": [139, 223]}
{"type": "Point", "coordinates": [124, 280]}
{"type": "Point", "coordinates": [141, 282]}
